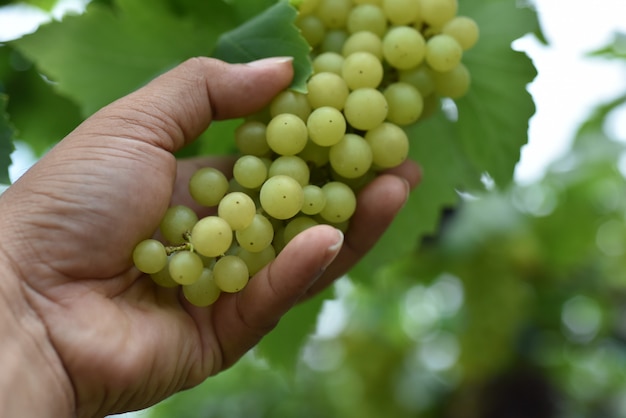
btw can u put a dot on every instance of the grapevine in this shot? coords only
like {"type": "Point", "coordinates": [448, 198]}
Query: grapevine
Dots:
{"type": "Point", "coordinates": [379, 66]}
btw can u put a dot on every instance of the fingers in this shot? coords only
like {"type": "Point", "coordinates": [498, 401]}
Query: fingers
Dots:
{"type": "Point", "coordinates": [178, 106]}
{"type": "Point", "coordinates": [242, 319]}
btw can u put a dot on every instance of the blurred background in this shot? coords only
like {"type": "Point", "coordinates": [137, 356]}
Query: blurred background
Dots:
{"type": "Point", "coordinates": [515, 307]}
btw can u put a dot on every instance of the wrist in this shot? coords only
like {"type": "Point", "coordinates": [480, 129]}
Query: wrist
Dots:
{"type": "Point", "coordinates": [33, 381]}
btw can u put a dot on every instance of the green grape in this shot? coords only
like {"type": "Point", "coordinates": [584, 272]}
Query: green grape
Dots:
{"type": "Point", "coordinates": [312, 29]}
{"type": "Point", "coordinates": [314, 199]}
{"type": "Point", "coordinates": [362, 69]}
{"type": "Point", "coordinates": [297, 225]}
{"type": "Point", "coordinates": [401, 12]}
{"type": "Point", "coordinates": [292, 166]}
{"type": "Point", "coordinates": [443, 53]}
{"type": "Point", "coordinates": [356, 183]}
{"type": "Point", "coordinates": [340, 202]}
{"type": "Point", "coordinates": [405, 103]}
{"type": "Point", "coordinates": [204, 292]}
{"type": "Point", "coordinates": [250, 138]}
{"type": "Point", "coordinates": [314, 154]}
{"type": "Point", "coordinates": [207, 186]}
{"type": "Point", "coordinates": [289, 101]}
{"type": "Point", "coordinates": [238, 209]}
{"type": "Point", "coordinates": [211, 236]}
{"type": "Point", "coordinates": [149, 256]}
{"type": "Point", "coordinates": [163, 278]}
{"type": "Point", "coordinates": [454, 83]}
{"type": "Point", "coordinates": [464, 29]}
{"type": "Point", "coordinates": [185, 267]}
{"type": "Point", "coordinates": [286, 134]}
{"type": "Point", "coordinates": [437, 12]}
{"type": "Point", "coordinates": [250, 171]}
{"type": "Point", "coordinates": [351, 157]}
{"type": "Point", "coordinates": [334, 13]}
{"type": "Point", "coordinates": [281, 197]}
{"type": "Point", "coordinates": [367, 17]}
{"type": "Point", "coordinates": [334, 40]}
{"type": "Point", "coordinates": [307, 6]}
{"type": "Point", "coordinates": [326, 126]}
{"type": "Point", "coordinates": [327, 89]}
{"type": "Point", "coordinates": [389, 144]}
{"type": "Point", "coordinates": [256, 261]}
{"type": "Point", "coordinates": [419, 77]}
{"type": "Point", "coordinates": [230, 274]}
{"type": "Point", "coordinates": [258, 235]}
{"type": "Point", "coordinates": [363, 41]}
{"type": "Point", "coordinates": [177, 221]}
{"type": "Point", "coordinates": [365, 108]}
{"type": "Point", "coordinates": [330, 62]}
{"type": "Point", "coordinates": [404, 47]}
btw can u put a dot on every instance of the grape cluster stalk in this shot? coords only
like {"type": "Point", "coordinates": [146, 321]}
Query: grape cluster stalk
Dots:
{"type": "Point", "coordinates": [378, 67]}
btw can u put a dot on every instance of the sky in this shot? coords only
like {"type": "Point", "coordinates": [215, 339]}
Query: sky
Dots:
{"type": "Point", "coordinates": [567, 87]}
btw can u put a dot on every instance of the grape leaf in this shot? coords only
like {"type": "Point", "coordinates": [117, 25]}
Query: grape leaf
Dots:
{"type": "Point", "coordinates": [6, 141]}
{"type": "Point", "coordinates": [105, 53]}
{"type": "Point", "coordinates": [272, 33]}
{"type": "Point", "coordinates": [487, 137]}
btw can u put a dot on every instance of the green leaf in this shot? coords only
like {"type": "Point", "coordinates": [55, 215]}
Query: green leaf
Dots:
{"type": "Point", "coordinates": [6, 141]}
{"type": "Point", "coordinates": [272, 33]}
{"type": "Point", "coordinates": [106, 53]}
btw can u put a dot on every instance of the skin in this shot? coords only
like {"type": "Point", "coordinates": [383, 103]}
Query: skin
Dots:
{"type": "Point", "coordinates": [83, 333]}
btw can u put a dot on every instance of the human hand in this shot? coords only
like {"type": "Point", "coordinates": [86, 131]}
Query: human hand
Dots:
{"type": "Point", "coordinates": [111, 340]}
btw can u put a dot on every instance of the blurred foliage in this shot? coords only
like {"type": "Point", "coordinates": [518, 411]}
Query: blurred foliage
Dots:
{"type": "Point", "coordinates": [515, 307]}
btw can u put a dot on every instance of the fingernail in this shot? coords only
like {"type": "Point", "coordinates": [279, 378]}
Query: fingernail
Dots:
{"type": "Point", "coordinates": [267, 62]}
{"type": "Point", "coordinates": [407, 186]}
{"type": "Point", "coordinates": [333, 250]}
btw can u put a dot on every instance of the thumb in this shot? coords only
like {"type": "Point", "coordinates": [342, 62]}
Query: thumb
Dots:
{"type": "Point", "coordinates": [179, 105]}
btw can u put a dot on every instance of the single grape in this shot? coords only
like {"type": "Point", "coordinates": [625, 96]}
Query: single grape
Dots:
{"type": "Point", "coordinates": [211, 236]}
{"type": "Point", "coordinates": [363, 41]}
{"type": "Point", "coordinates": [312, 29]}
{"type": "Point", "coordinates": [454, 83]}
{"type": "Point", "coordinates": [326, 126]}
{"type": "Point", "coordinates": [437, 12]}
{"type": "Point", "coordinates": [362, 69]}
{"type": "Point", "coordinates": [314, 199]}
{"type": "Point", "coordinates": [185, 267]}
{"type": "Point", "coordinates": [292, 166]}
{"type": "Point", "coordinates": [292, 102]}
{"type": "Point", "coordinates": [204, 291]}
{"type": "Point", "coordinates": [404, 47]}
{"type": "Point", "coordinates": [250, 138]}
{"type": "Point", "coordinates": [307, 6]}
{"type": "Point", "coordinates": [286, 134]}
{"type": "Point", "coordinates": [149, 256]}
{"type": "Point", "coordinates": [258, 235]}
{"type": "Point", "coordinates": [365, 108]}
{"type": "Point", "coordinates": [389, 144]}
{"type": "Point", "coordinates": [405, 103]}
{"type": "Point", "coordinates": [334, 13]}
{"type": "Point", "coordinates": [367, 17]}
{"type": "Point", "coordinates": [340, 202]}
{"type": "Point", "coordinates": [207, 186]}
{"type": "Point", "coordinates": [281, 197]}
{"type": "Point", "coordinates": [230, 274]}
{"type": "Point", "coordinates": [328, 62]}
{"type": "Point", "coordinates": [334, 40]}
{"type": "Point", "coordinates": [464, 29]}
{"type": "Point", "coordinates": [250, 171]}
{"type": "Point", "coordinates": [351, 157]}
{"type": "Point", "coordinates": [419, 77]}
{"type": "Point", "coordinates": [314, 154]}
{"type": "Point", "coordinates": [177, 221]}
{"type": "Point", "coordinates": [401, 12]}
{"type": "Point", "coordinates": [443, 53]}
{"type": "Point", "coordinates": [238, 209]}
{"type": "Point", "coordinates": [327, 89]}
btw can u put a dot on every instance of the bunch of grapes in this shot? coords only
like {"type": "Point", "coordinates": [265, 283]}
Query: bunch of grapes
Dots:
{"type": "Point", "coordinates": [378, 65]}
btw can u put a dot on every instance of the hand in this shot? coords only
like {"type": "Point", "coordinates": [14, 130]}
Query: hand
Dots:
{"type": "Point", "coordinates": [110, 339]}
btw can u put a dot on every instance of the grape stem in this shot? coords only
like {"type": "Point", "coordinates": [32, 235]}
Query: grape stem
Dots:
{"type": "Point", "coordinates": [186, 246]}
